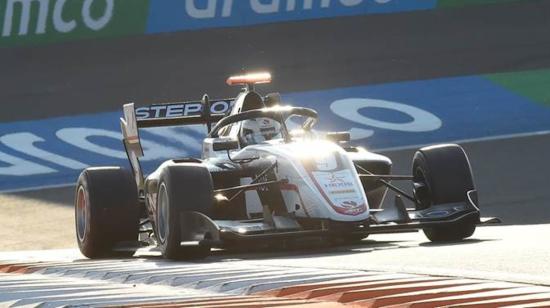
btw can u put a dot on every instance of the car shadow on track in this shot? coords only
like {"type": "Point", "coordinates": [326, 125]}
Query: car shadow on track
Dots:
{"type": "Point", "coordinates": [456, 243]}
{"type": "Point", "coordinates": [276, 250]}
{"type": "Point", "coordinates": [311, 249]}
{"type": "Point", "coordinates": [324, 249]}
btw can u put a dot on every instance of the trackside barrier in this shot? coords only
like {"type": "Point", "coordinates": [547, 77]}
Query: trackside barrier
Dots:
{"type": "Point", "coordinates": [28, 22]}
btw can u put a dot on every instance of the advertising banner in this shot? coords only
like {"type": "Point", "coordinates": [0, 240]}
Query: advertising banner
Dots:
{"type": "Point", "coordinates": [178, 15]}
{"type": "Point", "coordinates": [25, 22]}
{"type": "Point", "coordinates": [31, 22]}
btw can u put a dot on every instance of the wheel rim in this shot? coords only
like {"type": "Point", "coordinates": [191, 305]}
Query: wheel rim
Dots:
{"type": "Point", "coordinates": [162, 212]}
{"type": "Point", "coordinates": [81, 215]}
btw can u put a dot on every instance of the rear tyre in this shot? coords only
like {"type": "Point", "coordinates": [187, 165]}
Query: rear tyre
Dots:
{"type": "Point", "coordinates": [442, 174]}
{"type": "Point", "coordinates": [106, 211]}
{"type": "Point", "coordinates": [182, 188]}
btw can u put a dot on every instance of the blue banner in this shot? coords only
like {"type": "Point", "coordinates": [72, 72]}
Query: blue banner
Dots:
{"type": "Point", "coordinates": [426, 111]}
{"type": "Point", "coordinates": [177, 15]}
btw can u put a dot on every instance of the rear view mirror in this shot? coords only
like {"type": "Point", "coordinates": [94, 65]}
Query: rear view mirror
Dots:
{"type": "Point", "coordinates": [225, 145]}
{"type": "Point", "coordinates": [272, 99]}
{"type": "Point", "coordinates": [339, 137]}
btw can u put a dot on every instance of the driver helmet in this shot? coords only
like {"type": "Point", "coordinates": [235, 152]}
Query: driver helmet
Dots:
{"type": "Point", "coordinates": [254, 131]}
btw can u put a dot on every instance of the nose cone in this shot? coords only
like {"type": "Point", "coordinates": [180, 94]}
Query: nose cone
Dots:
{"type": "Point", "coordinates": [339, 187]}
{"type": "Point", "coordinates": [335, 179]}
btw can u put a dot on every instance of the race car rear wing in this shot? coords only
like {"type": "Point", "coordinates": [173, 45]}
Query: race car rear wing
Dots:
{"type": "Point", "coordinates": [183, 113]}
{"type": "Point", "coordinates": [171, 114]}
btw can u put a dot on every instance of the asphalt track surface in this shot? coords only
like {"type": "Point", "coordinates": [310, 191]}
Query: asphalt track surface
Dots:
{"type": "Point", "coordinates": [511, 174]}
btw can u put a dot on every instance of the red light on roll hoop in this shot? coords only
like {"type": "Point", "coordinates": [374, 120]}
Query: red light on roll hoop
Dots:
{"type": "Point", "coordinates": [253, 78]}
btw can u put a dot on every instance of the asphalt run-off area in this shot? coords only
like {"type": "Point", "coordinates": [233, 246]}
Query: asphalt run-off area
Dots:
{"type": "Point", "coordinates": [397, 74]}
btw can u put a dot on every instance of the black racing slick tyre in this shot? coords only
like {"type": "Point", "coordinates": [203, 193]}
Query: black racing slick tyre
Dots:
{"type": "Point", "coordinates": [106, 211]}
{"type": "Point", "coordinates": [442, 174]}
{"type": "Point", "coordinates": [182, 188]}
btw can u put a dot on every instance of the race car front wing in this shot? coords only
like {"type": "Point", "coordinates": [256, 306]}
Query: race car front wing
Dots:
{"type": "Point", "coordinates": [198, 228]}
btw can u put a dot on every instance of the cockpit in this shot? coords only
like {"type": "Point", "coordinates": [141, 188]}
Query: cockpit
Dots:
{"type": "Point", "coordinates": [261, 125]}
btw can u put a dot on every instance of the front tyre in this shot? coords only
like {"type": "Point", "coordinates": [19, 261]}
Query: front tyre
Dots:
{"type": "Point", "coordinates": [106, 211]}
{"type": "Point", "coordinates": [183, 188]}
{"type": "Point", "coordinates": [442, 174]}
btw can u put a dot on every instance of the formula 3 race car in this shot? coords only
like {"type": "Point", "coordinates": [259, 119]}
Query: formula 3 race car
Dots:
{"type": "Point", "coordinates": [265, 175]}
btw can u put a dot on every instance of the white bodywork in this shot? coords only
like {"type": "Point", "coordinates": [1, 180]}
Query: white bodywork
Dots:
{"type": "Point", "coordinates": [322, 180]}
